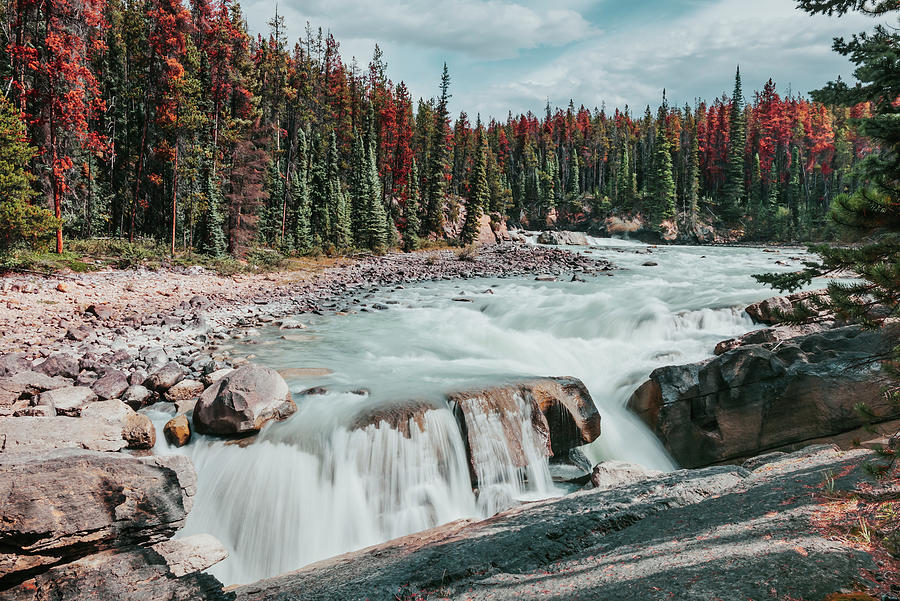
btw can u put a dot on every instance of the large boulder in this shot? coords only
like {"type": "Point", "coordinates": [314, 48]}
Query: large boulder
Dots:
{"type": "Point", "coordinates": [564, 238]}
{"type": "Point", "coordinates": [39, 434]}
{"type": "Point", "coordinates": [242, 401]}
{"type": "Point", "coordinates": [755, 398]}
{"type": "Point", "coordinates": [165, 377]}
{"type": "Point", "coordinates": [137, 429]}
{"type": "Point", "coordinates": [111, 385]}
{"type": "Point", "coordinates": [560, 414]}
{"type": "Point", "coordinates": [66, 504]}
{"type": "Point", "coordinates": [60, 364]}
{"type": "Point", "coordinates": [771, 311]}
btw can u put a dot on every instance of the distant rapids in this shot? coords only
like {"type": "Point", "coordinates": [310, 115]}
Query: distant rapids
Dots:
{"type": "Point", "coordinates": [311, 487]}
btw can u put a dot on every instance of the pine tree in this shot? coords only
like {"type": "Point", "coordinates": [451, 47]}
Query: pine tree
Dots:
{"type": "Point", "coordinates": [437, 167]}
{"type": "Point", "coordinates": [573, 184]}
{"type": "Point", "coordinates": [338, 230]}
{"type": "Point", "coordinates": [18, 217]}
{"type": "Point", "coordinates": [734, 171]}
{"type": "Point", "coordinates": [694, 181]}
{"type": "Point", "coordinates": [661, 184]}
{"type": "Point", "coordinates": [411, 211]}
{"type": "Point", "coordinates": [479, 194]}
{"type": "Point", "coordinates": [376, 218]}
{"type": "Point", "coordinates": [301, 212]}
{"type": "Point", "coordinates": [212, 222]}
{"type": "Point", "coordinates": [359, 196]}
{"type": "Point", "coordinates": [319, 220]}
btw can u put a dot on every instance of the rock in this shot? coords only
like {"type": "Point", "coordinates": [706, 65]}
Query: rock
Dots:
{"type": "Point", "coordinates": [30, 383]}
{"type": "Point", "coordinates": [770, 311]}
{"type": "Point", "coordinates": [69, 400]}
{"type": "Point", "coordinates": [614, 474]}
{"type": "Point", "coordinates": [137, 377]}
{"type": "Point", "coordinates": [136, 396]}
{"type": "Point", "coordinates": [215, 376]}
{"type": "Point", "coordinates": [79, 333]}
{"type": "Point", "coordinates": [133, 574]}
{"type": "Point", "coordinates": [166, 377]}
{"type": "Point", "coordinates": [692, 535]}
{"type": "Point", "coordinates": [754, 399]}
{"type": "Point", "coordinates": [37, 434]}
{"type": "Point", "coordinates": [191, 554]}
{"type": "Point", "coordinates": [186, 406]}
{"type": "Point", "coordinates": [178, 431]}
{"type": "Point", "coordinates": [649, 264]}
{"type": "Point", "coordinates": [186, 389]}
{"type": "Point", "coordinates": [563, 238]}
{"type": "Point", "coordinates": [100, 311]}
{"type": "Point", "coordinates": [291, 324]}
{"type": "Point", "coordinates": [305, 372]}
{"type": "Point", "coordinates": [139, 432]}
{"type": "Point", "coordinates": [12, 363]}
{"type": "Point", "coordinates": [110, 385]}
{"type": "Point", "coordinates": [62, 287]}
{"type": "Point", "coordinates": [60, 364]}
{"type": "Point", "coordinates": [241, 402]}
{"type": "Point", "coordinates": [113, 411]}
{"type": "Point", "coordinates": [66, 504]}
{"type": "Point", "coordinates": [561, 412]}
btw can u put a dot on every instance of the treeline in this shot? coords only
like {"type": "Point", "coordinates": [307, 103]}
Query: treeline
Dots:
{"type": "Point", "coordinates": [155, 119]}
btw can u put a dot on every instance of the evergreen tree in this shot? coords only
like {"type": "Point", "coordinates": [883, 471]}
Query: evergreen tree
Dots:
{"type": "Point", "coordinates": [437, 167]}
{"type": "Point", "coordinates": [661, 184]}
{"type": "Point", "coordinates": [212, 223]}
{"type": "Point", "coordinates": [359, 196]}
{"type": "Point", "coordinates": [377, 234]}
{"type": "Point", "coordinates": [338, 216]}
{"type": "Point", "coordinates": [479, 194]}
{"type": "Point", "coordinates": [694, 181]}
{"type": "Point", "coordinates": [573, 184]}
{"type": "Point", "coordinates": [411, 211]}
{"type": "Point", "coordinates": [301, 218]}
{"type": "Point", "coordinates": [319, 220]}
{"type": "Point", "coordinates": [19, 219]}
{"type": "Point", "coordinates": [734, 171]}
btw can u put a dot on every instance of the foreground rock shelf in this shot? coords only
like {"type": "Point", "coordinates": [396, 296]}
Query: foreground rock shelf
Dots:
{"type": "Point", "coordinates": [721, 532]}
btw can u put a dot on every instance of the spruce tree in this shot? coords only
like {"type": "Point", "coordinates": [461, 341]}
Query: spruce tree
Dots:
{"type": "Point", "coordinates": [479, 194]}
{"type": "Point", "coordinates": [212, 240]}
{"type": "Point", "coordinates": [376, 217]}
{"type": "Point", "coordinates": [733, 194]}
{"type": "Point", "coordinates": [437, 168]}
{"type": "Point", "coordinates": [574, 182]}
{"type": "Point", "coordinates": [359, 196]}
{"type": "Point", "coordinates": [334, 196]}
{"type": "Point", "coordinates": [301, 218]}
{"type": "Point", "coordinates": [318, 195]}
{"type": "Point", "coordinates": [694, 181]}
{"type": "Point", "coordinates": [411, 211]}
{"type": "Point", "coordinates": [661, 184]}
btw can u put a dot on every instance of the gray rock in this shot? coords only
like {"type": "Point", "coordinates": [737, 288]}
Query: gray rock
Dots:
{"type": "Point", "coordinates": [69, 400]}
{"type": "Point", "coordinates": [166, 377]}
{"type": "Point", "coordinates": [614, 474]}
{"type": "Point", "coordinates": [37, 434]}
{"type": "Point", "coordinates": [60, 364]}
{"type": "Point", "coordinates": [12, 363]}
{"type": "Point", "coordinates": [191, 554]}
{"type": "Point", "coordinates": [110, 385]}
{"type": "Point", "coordinates": [184, 390]}
{"type": "Point", "coordinates": [136, 396]}
{"type": "Point", "coordinates": [755, 398]}
{"type": "Point", "coordinates": [243, 401]}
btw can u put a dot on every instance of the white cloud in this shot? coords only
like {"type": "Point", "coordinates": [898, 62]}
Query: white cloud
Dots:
{"type": "Point", "coordinates": [692, 55]}
{"type": "Point", "coordinates": [482, 29]}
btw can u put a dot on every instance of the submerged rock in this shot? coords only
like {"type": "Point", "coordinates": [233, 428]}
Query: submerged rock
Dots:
{"type": "Point", "coordinates": [243, 401]}
{"type": "Point", "coordinates": [753, 398]}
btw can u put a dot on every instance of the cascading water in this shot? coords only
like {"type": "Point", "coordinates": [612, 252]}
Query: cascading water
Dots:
{"type": "Point", "coordinates": [316, 485]}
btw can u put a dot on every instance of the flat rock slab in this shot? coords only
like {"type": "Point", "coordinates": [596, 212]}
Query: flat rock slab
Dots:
{"type": "Point", "coordinates": [66, 504]}
{"type": "Point", "coordinates": [38, 434]}
{"type": "Point", "coordinates": [716, 533]}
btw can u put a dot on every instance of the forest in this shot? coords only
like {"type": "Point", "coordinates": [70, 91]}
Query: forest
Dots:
{"type": "Point", "coordinates": [156, 120]}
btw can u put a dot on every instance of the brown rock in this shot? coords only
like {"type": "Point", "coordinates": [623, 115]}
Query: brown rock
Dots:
{"type": "Point", "coordinates": [139, 432]}
{"type": "Point", "coordinates": [62, 287]}
{"type": "Point", "coordinates": [178, 430]}
{"type": "Point", "coordinates": [186, 389]}
{"type": "Point", "coordinates": [110, 385]}
{"type": "Point", "coordinates": [38, 434]}
{"type": "Point", "coordinates": [166, 377]}
{"type": "Point", "coordinates": [770, 311]}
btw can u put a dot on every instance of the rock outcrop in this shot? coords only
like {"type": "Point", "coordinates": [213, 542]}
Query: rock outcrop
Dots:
{"type": "Point", "coordinates": [561, 413]}
{"type": "Point", "coordinates": [772, 310]}
{"type": "Point", "coordinates": [83, 525]}
{"type": "Point", "coordinates": [243, 401]}
{"type": "Point", "coordinates": [693, 535]}
{"type": "Point", "coordinates": [759, 397]}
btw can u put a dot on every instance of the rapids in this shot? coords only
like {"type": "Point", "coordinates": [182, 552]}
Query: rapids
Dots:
{"type": "Point", "coordinates": [311, 488]}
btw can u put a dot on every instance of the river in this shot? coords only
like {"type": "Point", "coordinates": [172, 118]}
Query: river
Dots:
{"type": "Point", "coordinates": [311, 488]}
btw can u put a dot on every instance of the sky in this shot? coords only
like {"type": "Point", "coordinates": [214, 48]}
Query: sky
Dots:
{"type": "Point", "coordinates": [516, 55]}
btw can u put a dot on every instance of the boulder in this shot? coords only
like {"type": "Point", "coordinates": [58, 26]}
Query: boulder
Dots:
{"type": "Point", "coordinates": [191, 554]}
{"type": "Point", "coordinates": [69, 400]}
{"type": "Point", "coordinates": [102, 312]}
{"type": "Point", "coordinates": [139, 432]}
{"type": "Point", "coordinates": [66, 504]}
{"type": "Point", "coordinates": [242, 401]}
{"type": "Point", "coordinates": [754, 398]}
{"type": "Point", "coordinates": [771, 310]}
{"type": "Point", "coordinates": [560, 411]}
{"type": "Point", "coordinates": [184, 390]}
{"type": "Point", "coordinates": [60, 364]}
{"type": "Point", "coordinates": [214, 376]}
{"type": "Point", "coordinates": [136, 396]}
{"type": "Point", "coordinates": [563, 238]}
{"type": "Point", "coordinates": [178, 430]}
{"type": "Point", "coordinates": [110, 385]}
{"type": "Point", "coordinates": [29, 384]}
{"type": "Point", "coordinates": [166, 377]}
{"type": "Point", "coordinates": [38, 434]}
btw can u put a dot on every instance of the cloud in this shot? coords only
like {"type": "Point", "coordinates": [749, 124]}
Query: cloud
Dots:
{"type": "Point", "coordinates": [691, 55]}
{"type": "Point", "coordinates": [481, 29]}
